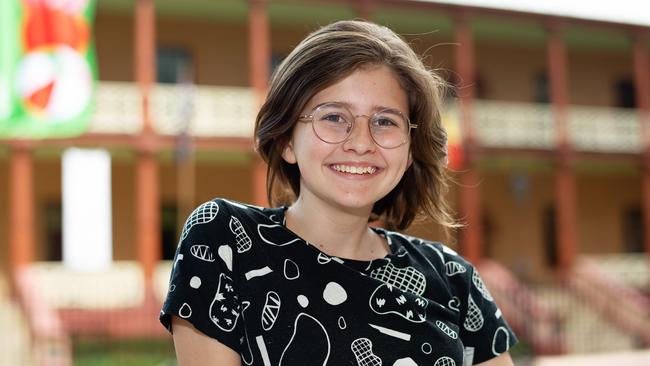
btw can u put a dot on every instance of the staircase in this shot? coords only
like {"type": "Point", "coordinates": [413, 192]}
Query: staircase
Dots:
{"type": "Point", "coordinates": [583, 329]}
{"type": "Point", "coordinates": [612, 300]}
{"type": "Point", "coordinates": [531, 317]}
{"type": "Point", "coordinates": [601, 305]}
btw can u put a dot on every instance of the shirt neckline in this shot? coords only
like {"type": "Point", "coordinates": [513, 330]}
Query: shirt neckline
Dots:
{"type": "Point", "coordinates": [392, 243]}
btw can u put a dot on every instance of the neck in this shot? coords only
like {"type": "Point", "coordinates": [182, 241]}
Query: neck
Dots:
{"type": "Point", "coordinates": [335, 231]}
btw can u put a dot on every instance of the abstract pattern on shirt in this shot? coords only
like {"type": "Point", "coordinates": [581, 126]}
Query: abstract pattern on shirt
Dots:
{"type": "Point", "coordinates": [241, 277]}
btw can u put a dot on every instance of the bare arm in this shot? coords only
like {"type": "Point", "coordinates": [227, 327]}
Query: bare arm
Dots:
{"type": "Point", "coordinates": [193, 348]}
{"type": "Point", "coordinates": [502, 360]}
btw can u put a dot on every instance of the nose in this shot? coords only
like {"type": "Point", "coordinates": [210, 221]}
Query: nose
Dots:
{"type": "Point", "coordinates": [360, 140]}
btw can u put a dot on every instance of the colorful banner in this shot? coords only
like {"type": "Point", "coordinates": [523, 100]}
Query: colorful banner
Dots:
{"type": "Point", "coordinates": [47, 67]}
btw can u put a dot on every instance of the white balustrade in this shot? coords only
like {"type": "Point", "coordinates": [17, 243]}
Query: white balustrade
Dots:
{"type": "Point", "coordinates": [118, 108]}
{"type": "Point", "coordinates": [203, 110]}
{"type": "Point", "coordinates": [604, 129]}
{"type": "Point", "coordinates": [514, 125]}
{"type": "Point", "coordinates": [119, 286]}
{"type": "Point", "coordinates": [222, 111]}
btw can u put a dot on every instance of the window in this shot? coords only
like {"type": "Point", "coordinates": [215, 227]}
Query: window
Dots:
{"type": "Point", "coordinates": [53, 220]}
{"type": "Point", "coordinates": [625, 93]}
{"type": "Point", "coordinates": [169, 230]}
{"type": "Point", "coordinates": [633, 237]}
{"type": "Point", "coordinates": [541, 91]}
{"type": "Point", "coordinates": [173, 65]}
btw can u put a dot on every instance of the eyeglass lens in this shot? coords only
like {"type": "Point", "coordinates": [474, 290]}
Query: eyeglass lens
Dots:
{"type": "Point", "coordinates": [333, 123]}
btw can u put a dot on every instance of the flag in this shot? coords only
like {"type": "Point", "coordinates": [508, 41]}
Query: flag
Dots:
{"type": "Point", "coordinates": [47, 67]}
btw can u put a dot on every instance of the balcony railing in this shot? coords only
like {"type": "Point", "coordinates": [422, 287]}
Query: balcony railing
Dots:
{"type": "Point", "coordinates": [220, 111]}
{"type": "Point", "coordinates": [118, 108]}
{"type": "Point", "coordinates": [514, 125]}
{"type": "Point", "coordinates": [214, 111]}
{"type": "Point", "coordinates": [605, 129]}
{"type": "Point", "coordinates": [203, 110]}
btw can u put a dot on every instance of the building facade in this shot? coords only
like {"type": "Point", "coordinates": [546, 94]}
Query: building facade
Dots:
{"type": "Point", "coordinates": [549, 123]}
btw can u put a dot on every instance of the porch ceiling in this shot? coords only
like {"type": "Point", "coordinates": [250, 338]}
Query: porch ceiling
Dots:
{"type": "Point", "coordinates": [405, 20]}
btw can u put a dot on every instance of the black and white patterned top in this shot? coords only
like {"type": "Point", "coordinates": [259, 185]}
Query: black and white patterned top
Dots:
{"type": "Point", "coordinates": [241, 277]}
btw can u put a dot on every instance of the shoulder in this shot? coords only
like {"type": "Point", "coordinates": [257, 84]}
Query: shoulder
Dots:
{"type": "Point", "coordinates": [224, 207]}
{"type": "Point", "coordinates": [452, 269]}
{"type": "Point", "coordinates": [435, 252]}
{"type": "Point", "coordinates": [212, 217]}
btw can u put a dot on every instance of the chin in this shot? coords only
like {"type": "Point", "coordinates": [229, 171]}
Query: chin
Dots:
{"type": "Point", "coordinates": [355, 204]}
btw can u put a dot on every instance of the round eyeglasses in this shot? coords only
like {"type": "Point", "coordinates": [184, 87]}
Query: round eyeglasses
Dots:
{"type": "Point", "coordinates": [333, 123]}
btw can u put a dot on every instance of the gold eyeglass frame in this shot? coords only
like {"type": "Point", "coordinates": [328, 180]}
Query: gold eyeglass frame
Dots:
{"type": "Point", "coordinates": [310, 118]}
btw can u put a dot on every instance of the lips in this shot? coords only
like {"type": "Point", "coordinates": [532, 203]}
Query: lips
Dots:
{"type": "Point", "coordinates": [360, 170]}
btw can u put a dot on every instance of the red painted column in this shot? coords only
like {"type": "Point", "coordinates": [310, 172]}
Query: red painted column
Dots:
{"type": "Point", "coordinates": [147, 211]}
{"type": "Point", "coordinates": [259, 47]}
{"type": "Point", "coordinates": [364, 9]}
{"type": "Point", "coordinates": [147, 202]}
{"type": "Point", "coordinates": [466, 70]}
{"type": "Point", "coordinates": [259, 60]}
{"type": "Point", "coordinates": [565, 201]}
{"type": "Point", "coordinates": [642, 84]}
{"type": "Point", "coordinates": [471, 238]}
{"type": "Point", "coordinates": [21, 206]}
{"type": "Point", "coordinates": [565, 185]}
{"type": "Point", "coordinates": [557, 64]}
{"type": "Point", "coordinates": [145, 51]}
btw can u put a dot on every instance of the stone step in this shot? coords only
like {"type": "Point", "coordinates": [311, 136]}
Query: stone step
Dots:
{"type": "Point", "coordinates": [585, 330]}
{"type": "Point", "coordinates": [14, 337]}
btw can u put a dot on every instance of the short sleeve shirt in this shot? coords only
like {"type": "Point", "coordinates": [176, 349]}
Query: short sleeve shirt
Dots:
{"type": "Point", "coordinates": [241, 277]}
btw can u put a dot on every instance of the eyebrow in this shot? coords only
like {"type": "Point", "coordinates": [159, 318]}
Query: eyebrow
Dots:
{"type": "Point", "coordinates": [375, 108]}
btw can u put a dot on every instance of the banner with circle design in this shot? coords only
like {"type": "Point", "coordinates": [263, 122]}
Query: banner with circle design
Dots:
{"type": "Point", "coordinates": [47, 67]}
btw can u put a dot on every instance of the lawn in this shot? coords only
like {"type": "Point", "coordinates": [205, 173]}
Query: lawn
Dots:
{"type": "Point", "coordinates": [135, 352]}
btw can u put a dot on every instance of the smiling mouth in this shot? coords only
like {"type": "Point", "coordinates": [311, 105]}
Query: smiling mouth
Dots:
{"type": "Point", "coordinates": [354, 169]}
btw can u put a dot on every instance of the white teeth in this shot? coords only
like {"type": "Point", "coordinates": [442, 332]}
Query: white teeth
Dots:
{"type": "Point", "coordinates": [354, 169]}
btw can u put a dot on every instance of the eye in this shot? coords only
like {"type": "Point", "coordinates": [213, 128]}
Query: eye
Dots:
{"type": "Point", "coordinates": [386, 121]}
{"type": "Point", "coordinates": [334, 117]}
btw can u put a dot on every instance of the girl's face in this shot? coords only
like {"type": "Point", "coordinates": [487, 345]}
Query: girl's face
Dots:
{"type": "Point", "coordinates": [356, 173]}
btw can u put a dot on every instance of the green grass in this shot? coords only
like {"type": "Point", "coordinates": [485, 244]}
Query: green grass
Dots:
{"type": "Point", "coordinates": [137, 352]}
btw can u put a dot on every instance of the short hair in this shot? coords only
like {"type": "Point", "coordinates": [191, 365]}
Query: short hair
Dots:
{"type": "Point", "coordinates": [323, 58]}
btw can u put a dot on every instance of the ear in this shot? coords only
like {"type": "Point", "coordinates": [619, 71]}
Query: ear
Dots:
{"type": "Point", "coordinates": [288, 154]}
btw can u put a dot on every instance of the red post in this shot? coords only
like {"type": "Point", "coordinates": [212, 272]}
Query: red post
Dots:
{"type": "Point", "coordinates": [642, 84]}
{"type": "Point", "coordinates": [565, 195]}
{"type": "Point", "coordinates": [21, 206]}
{"type": "Point", "coordinates": [259, 60]}
{"type": "Point", "coordinates": [147, 202]}
{"type": "Point", "coordinates": [565, 198]}
{"type": "Point", "coordinates": [364, 9]}
{"type": "Point", "coordinates": [259, 47]}
{"type": "Point", "coordinates": [557, 64]}
{"type": "Point", "coordinates": [145, 51]}
{"type": "Point", "coordinates": [148, 211]}
{"type": "Point", "coordinates": [470, 193]}
{"type": "Point", "coordinates": [466, 70]}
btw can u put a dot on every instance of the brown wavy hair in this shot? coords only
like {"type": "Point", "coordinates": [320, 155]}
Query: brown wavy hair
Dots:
{"type": "Point", "coordinates": [323, 58]}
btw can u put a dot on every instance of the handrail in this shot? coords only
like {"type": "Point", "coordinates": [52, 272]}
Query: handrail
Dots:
{"type": "Point", "coordinates": [619, 303]}
{"type": "Point", "coordinates": [531, 318]}
{"type": "Point", "coordinates": [51, 343]}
